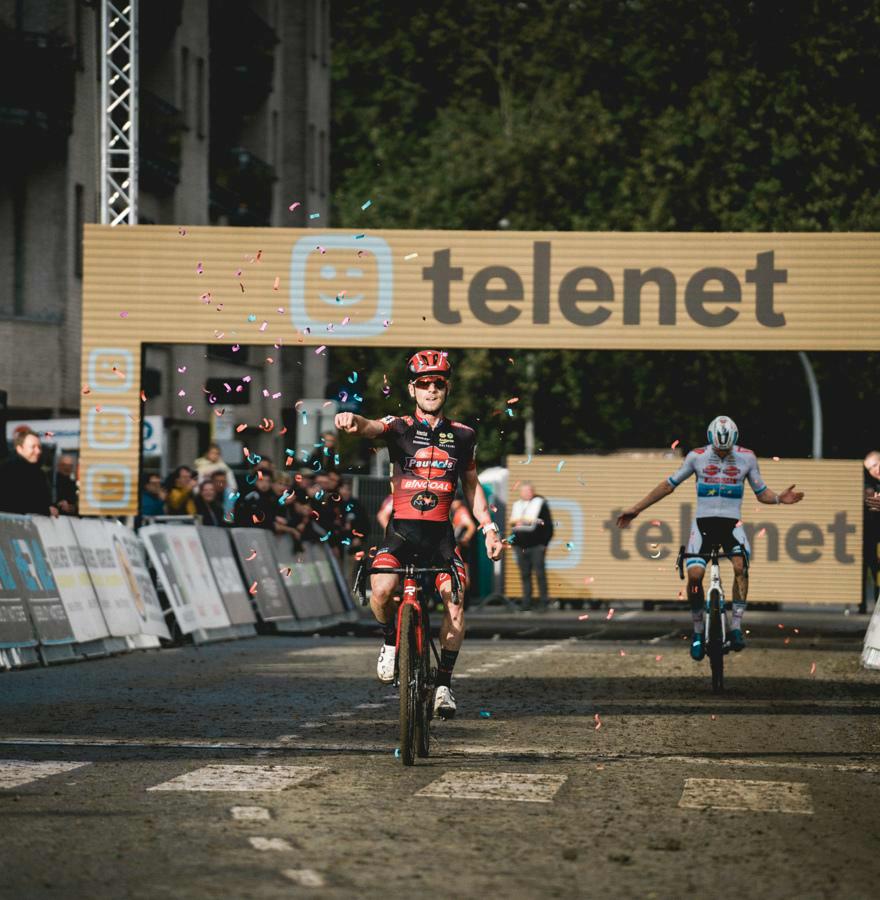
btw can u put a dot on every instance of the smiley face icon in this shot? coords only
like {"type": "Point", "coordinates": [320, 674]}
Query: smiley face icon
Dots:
{"type": "Point", "coordinates": [337, 275]}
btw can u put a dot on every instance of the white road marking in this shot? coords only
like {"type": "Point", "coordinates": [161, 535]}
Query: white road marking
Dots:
{"type": "Point", "coordinates": [753, 796]}
{"type": "Point", "coordinates": [495, 786]}
{"type": "Point", "coordinates": [313, 725]}
{"type": "Point", "coordinates": [240, 778]}
{"type": "Point", "coordinates": [264, 843]}
{"type": "Point", "coordinates": [17, 772]}
{"type": "Point", "coordinates": [304, 877]}
{"type": "Point", "coordinates": [370, 706]}
{"type": "Point", "coordinates": [250, 814]}
{"type": "Point", "coordinates": [341, 715]}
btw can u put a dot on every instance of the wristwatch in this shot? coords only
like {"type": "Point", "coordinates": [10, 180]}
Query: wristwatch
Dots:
{"type": "Point", "coordinates": [489, 526]}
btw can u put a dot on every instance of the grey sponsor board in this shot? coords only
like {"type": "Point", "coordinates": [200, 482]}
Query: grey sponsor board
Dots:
{"type": "Point", "coordinates": [221, 557]}
{"type": "Point", "coordinates": [302, 579]}
{"type": "Point", "coordinates": [257, 558]}
{"type": "Point", "coordinates": [131, 558]}
{"type": "Point", "coordinates": [25, 574]}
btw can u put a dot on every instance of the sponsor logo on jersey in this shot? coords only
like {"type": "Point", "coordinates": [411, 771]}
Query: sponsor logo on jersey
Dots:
{"type": "Point", "coordinates": [424, 501]}
{"type": "Point", "coordinates": [711, 469]}
{"type": "Point", "coordinates": [432, 462]}
{"type": "Point", "coordinates": [446, 437]}
{"type": "Point", "coordinates": [419, 484]}
{"type": "Point", "coordinates": [731, 471]}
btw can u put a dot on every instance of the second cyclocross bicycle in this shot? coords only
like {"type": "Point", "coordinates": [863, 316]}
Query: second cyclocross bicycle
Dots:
{"type": "Point", "coordinates": [715, 619]}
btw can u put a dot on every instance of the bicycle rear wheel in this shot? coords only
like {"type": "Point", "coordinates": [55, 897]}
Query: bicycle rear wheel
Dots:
{"type": "Point", "coordinates": [423, 720]}
{"type": "Point", "coordinates": [715, 648]}
{"type": "Point", "coordinates": [408, 667]}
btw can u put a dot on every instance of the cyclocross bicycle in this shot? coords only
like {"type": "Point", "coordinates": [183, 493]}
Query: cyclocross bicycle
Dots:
{"type": "Point", "coordinates": [715, 619]}
{"type": "Point", "coordinates": [415, 671]}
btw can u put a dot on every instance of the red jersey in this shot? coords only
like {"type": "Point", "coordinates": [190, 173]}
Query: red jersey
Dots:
{"type": "Point", "coordinates": [427, 464]}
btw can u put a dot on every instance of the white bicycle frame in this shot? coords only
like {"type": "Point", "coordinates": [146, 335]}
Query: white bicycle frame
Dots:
{"type": "Point", "coordinates": [715, 589]}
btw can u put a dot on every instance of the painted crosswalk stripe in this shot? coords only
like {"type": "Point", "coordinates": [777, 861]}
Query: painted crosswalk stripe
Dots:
{"type": "Point", "coordinates": [250, 814]}
{"type": "Point", "coordinates": [742, 794]}
{"type": "Point", "coordinates": [304, 877]}
{"type": "Point", "coordinates": [264, 843]}
{"type": "Point", "coordinates": [240, 778]}
{"type": "Point", "coordinates": [17, 772]}
{"type": "Point", "coordinates": [495, 786]}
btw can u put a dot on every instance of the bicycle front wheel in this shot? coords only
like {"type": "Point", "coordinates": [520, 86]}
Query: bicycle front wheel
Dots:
{"type": "Point", "coordinates": [715, 646]}
{"type": "Point", "coordinates": [408, 667]}
{"type": "Point", "coordinates": [426, 698]}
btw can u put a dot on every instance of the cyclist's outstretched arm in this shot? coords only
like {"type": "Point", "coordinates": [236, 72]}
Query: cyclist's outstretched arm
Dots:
{"type": "Point", "coordinates": [788, 496]}
{"type": "Point", "coordinates": [355, 424]}
{"type": "Point", "coordinates": [475, 497]}
{"type": "Point", "coordinates": [658, 493]}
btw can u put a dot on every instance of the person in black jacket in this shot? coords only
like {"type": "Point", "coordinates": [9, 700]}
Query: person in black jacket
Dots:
{"type": "Point", "coordinates": [24, 487]}
{"type": "Point", "coordinates": [532, 525]}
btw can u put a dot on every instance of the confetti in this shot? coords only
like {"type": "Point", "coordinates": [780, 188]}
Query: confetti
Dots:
{"type": "Point", "coordinates": [264, 326]}
{"type": "Point", "coordinates": [314, 215]}
{"type": "Point", "coordinates": [713, 717]}
{"type": "Point", "coordinates": [123, 315]}
{"type": "Point", "coordinates": [761, 533]}
{"type": "Point", "coordinates": [143, 397]}
{"type": "Point", "coordinates": [410, 256]}
{"type": "Point", "coordinates": [293, 205]}
{"type": "Point", "coordinates": [610, 614]}
{"type": "Point", "coordinates": [240, 428]}
{"type": "Point", "coordinates": [276, 283]}
{"type": "Point", "coordinates": [812, 668]}
{"type": "Point", "coordinates": [584, 617]}
{"type": "Point", "coordinates": [200, 269]}
{"type": "Point", "coordinates": [658, 657]}
{"type": "Point", "coordinates": [321, 249]}
{"type": "Point", "coordinates": [674, 444]}
{"type": "Point", "coordinates": [320, 349]}
{"type": "Point", "coordinates": [386, 323]}
{"type": "Point", "coordinates": [346, 320]}
{"type": "Point", "coordinates": [775, 459]}
{"type": "Point", "coordinates": [367, 204]}
{"type": "Point", "coordinates": [181, 369]}
{"type": "Point", "coordinates": [485, 714]}
{"type": "Point", "coordinates": [589, 579]}
{"type": "Point", "coordinates": [623, 652]}
{"type": "Point", "coordinates": [252, 590]}
{"type": "Point", "coordinates": [353, 378]}
{"type": "Point", "coordinates": [560, 465]}
{"type": "Point", "coordinates": [253, 555]}
{"type": "Point", "coordinates": [181, 232]}
{"type": "Point", "coordinates": [358, 237]}
{"type": "Point", "coordinates": [86, 389]}
{"type": "Point", "coordinates": [598, 721]}
{"type": "Point", "coordinates": [190, 409]}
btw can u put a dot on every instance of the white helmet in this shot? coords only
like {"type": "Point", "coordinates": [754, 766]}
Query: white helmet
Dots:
{"type": "Point", "coordinates": [722, 433]}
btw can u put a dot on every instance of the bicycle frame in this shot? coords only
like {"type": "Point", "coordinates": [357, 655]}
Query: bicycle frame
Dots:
{"type": "Point", "coordinates": [715, 593]}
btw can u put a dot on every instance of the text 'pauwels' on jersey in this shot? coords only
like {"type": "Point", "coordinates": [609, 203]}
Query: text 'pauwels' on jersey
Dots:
{"type": "Point", "coordinates": [427, 464]}
{"type": "Point", "coordinates": [720, 481]}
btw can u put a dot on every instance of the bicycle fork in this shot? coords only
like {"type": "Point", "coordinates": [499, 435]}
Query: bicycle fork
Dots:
{"type": "Point", "coordinates": [715, 594]}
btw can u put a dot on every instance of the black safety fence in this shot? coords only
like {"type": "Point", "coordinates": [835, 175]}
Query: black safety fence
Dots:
{"type": "Point", "coordinates": [74, 588]}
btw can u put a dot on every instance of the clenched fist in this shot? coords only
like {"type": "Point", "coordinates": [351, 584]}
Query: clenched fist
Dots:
{"type": "Point", "coordinates": [346, 421]}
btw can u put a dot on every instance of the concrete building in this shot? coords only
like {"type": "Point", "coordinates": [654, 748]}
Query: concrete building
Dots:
{"type": "Point", "coordinates": [234, 118]}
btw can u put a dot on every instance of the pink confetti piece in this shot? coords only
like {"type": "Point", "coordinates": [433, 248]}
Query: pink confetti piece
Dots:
{"type": "Point", "coordinates": [346, 320]}
{"type": "Point", "coordinates": [589, 579]}
{"type": "Point", "coordinates": [674, 444]}
{"type": "Point", "coordinates": [181, 393]}
{"type": "Point", "coordinates": [253, 555]}
{"type": "Point", "coordinates": [320, 349]}
{"type": "Point", "coordinates": [264, 326]}
{"type": "Point", "coordinates": [276, 396]}
{"type": "Point", "coordinates": [123, 315]}
{"type": "Point", "coordinates": [812, 668]}
{"type": "Point", "coordinates": [775, 459]}
{"type": "Point", "coordinates": [321, 249]}
{"type": "Point", "coordinates": [86, 389]}
{"type": "Point", "coordinates": [238, 273]}
{"type": "Point", "coordinates": [386, 323]}
{"type": "Point", "coordinates": [276, 282]}
{"type": "Point", "coordinates": [181, 369]}
{"type": "Point", "coordinates": [658, 657]}
{"type": "Point", "coordinates": [294, 205]}
{"type": "Point", "coordinates": [761, 533]}
{"type": "Point", "coordinates": [598, 722]}
{"type": "Point", "coordinates": [181, 231]}
{"type": "Point", "coordinates": [623, 652]}
{"type": "Point", "coordinates": [240, 428]}
{"type": "Point", "coordinates": [713, 717]}
{"type": "Point", "coordinates": [200, 269]}
{"type": "Point", "coordinates": [190, 409]}
{"type": "Point", "coordinates": [584, 617]}
{"type": "Point", "coordinates": [252, 590]}
{"type": "Point", "coordinates": [610, 614]}
{"type": "Point", "coordinates": [246, 379]}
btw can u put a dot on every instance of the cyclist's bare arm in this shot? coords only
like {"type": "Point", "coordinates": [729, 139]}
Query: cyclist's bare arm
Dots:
{"type": "Point", "coordinates": [355, 424]}
{"type": "Point", "coordinates": [788, 496]}
{"type": "Point", "coordinates": [475, 498]}
{"type": "Point", "coordinates": [658, 493]}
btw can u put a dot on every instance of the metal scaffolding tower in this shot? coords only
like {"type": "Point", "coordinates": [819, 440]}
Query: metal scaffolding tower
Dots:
{"type": "Point", "coordinates": [119, 113]}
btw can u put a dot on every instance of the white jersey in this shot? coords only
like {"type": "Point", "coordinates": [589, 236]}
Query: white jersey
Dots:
{"type": "Point", "coordinates": [720, 481]}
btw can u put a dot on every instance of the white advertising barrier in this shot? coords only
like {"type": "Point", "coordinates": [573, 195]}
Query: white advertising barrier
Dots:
{"type": "Point", "coordinates": [74, 585]}
{"type": "Point", "coordinates": [185, 574]}
{"type": "Point", "coordinates": [130, 555]}
{"type": "Point", "coordinates": [221, 558]}
{"type": "Point", "coordinates": [871, 648]}
{"type": "Point", "coordinates": [301, 580]}
{"type": "Point", "coordinates": [113, 594]}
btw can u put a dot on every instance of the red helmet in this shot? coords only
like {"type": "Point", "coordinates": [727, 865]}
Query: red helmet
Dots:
{"type": "Point", "coordinates": [429, 362]}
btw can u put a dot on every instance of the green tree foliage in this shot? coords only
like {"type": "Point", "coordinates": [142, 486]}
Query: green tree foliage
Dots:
{"type": "Point", "coordinates": [601, 115]}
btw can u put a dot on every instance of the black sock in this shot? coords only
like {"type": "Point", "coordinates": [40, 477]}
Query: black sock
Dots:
{"type": "Point", "coordinates": [391, 631]}
{"type": "Point", "coordinates": [447, 663]}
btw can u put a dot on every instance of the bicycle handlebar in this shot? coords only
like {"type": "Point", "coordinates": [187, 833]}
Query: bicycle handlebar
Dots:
{"type": "Point", "coordinates": [712, 554]}
{"type": "Point", "coordinates": [359, 588]}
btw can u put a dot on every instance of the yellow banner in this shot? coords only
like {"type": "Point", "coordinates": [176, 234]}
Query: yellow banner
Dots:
{"type": "Point", "coordinates": [164, 284]}
{"type": "Point", "coordinates": [810, 552]}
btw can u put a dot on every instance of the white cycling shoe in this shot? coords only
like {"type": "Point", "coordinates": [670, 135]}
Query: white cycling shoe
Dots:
{"type": "Point", "coordinates": [385, 665]}
{"type": "Point", "coordinates": [444, 703]}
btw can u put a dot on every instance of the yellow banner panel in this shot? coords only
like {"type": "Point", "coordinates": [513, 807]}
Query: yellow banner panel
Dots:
{"type": "Point", "coordinates": [806, 553]}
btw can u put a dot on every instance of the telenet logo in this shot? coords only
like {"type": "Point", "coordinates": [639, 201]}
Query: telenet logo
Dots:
{"type": "Point", "coordinates": [333, 276]}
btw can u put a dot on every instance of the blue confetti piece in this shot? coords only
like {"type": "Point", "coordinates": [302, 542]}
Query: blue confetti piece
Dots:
{"type": "Point", "coordinates": [252, 318]}
{"type": "Point", "coordinates": [485, 714]}
{"type": "Point", "coordinates": [326, 537]}
{"type": "Point", "coordinates": [353, 378]}
{"type": "Point", "coordinates": [510, 412]}
{"type": "Point", "coordinates": [314, 215]}
{"type": "Point", "coordinates": [561, 464]}
{"type": "Point", "coordinates": [569, 545]}
{"type": "Point", "coordinates": [367, 205]}
{"type": "Point", "coordinates": [357, 398]}
{"type": "Point", "coordinates": [357, 237]}
{"type": "Point", "coordinates": [397, 752]}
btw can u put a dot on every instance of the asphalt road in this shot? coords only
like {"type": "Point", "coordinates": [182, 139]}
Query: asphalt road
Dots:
{"type": "Point", "coordinates": [577, 767]}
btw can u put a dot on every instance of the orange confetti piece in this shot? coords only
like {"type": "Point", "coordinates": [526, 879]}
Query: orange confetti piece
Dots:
{"type": "Point", "coordinates": [253, 555]}
{"type": "Point", "coordinates": [276, 283]}
{"type": "Point", "coordinates": [658, 657]}
{"type": "Point", "coordinates": [285, 572]}
{"type": "Point", "coordinates": [761, 533]}
{"type": "Point", "coordinates": [812, 668]}
{"type": "Point", "coordinates": [713, 717]}
{"type": "Point", "coordinates": [252, 589]}
{"type": "Point", "coordinates": [143, 397]}
{"type": "Point", "coordinates": [610, 614]}
{"type": "Point", "coordinates": [584, 617]}
{"type": "Point", "coordinates": [240, 427]}
{"type": "Point", "coordinates": [86, 389]}
{"type": "Point", "coordinates": [623, 652]}
{"type": "Point", "coordinates": [598, 722]}
{"type": "Point", "coordinates": [674, 444]}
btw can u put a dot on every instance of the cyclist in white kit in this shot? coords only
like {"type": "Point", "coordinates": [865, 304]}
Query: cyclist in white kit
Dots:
{"type": "Point", "coordinates": [721, 469]}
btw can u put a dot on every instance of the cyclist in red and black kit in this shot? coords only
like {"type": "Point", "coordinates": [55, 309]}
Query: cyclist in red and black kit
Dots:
{"type": "Point", "coordinates": [430, 454]}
